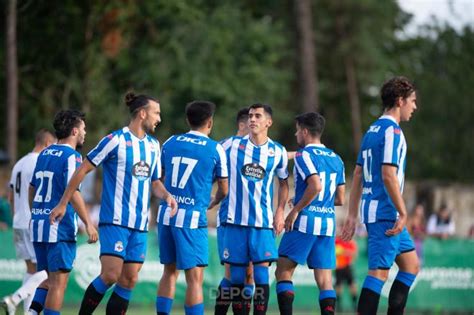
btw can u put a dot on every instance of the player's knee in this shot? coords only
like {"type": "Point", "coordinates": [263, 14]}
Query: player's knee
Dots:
{"type": "Point", "coordinates": [129, 281]}
{"type": "Point", "coordinates": [110, 276]}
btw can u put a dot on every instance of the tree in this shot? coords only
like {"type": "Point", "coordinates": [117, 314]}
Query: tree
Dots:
{"type": "Point", "coordinates": [12, 81]}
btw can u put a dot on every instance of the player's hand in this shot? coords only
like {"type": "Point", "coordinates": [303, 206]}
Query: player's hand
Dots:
{"type": "Point", "coordinates": [212, 204]}
{"type": "Point", "coordinates": [172, 204]}
{"type": "Point", "coordinates": [92, 233]}
{"type": "Point", "coordinates": [57, 214]}
{"type": "Point", "coordinates": [278, 222]}
{"type": "Point", "coordinates": [348, 229]}
{"type": "Point", "coordinates": [398, 226]}
{"type": "Point", "coordinates": [290, 220]}
{"type": "Point", "coordinates": [291, 203]}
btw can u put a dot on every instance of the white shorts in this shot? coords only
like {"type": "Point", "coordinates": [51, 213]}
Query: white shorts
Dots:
{"type": "Point", "coordinates": [23, 245]}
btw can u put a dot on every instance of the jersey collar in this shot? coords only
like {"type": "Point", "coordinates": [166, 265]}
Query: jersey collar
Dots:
{"type": "Point", "coordinates": [389, 118]}
{"type": "Point", "coordinates": [197, 133]}
{"type": "Point", "coordinates": [318, 145]}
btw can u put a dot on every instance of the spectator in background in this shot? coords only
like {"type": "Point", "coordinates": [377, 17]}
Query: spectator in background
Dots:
{"type": "Point", "coordinates": [417, 227]}
{"type": "Point", "coordinates": [441, 224]}
{"type": "Point", "coordinates": [470, 233]}
{"type": "Point", "coordinates": [346, 251]}
{"type": "Point", "coordinates": [5, 212]}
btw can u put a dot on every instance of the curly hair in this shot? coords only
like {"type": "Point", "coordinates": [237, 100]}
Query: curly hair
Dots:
{"type": "Point", "coordinates": [395, 88]}
{"type": "Point", "coordinates": [65, 121]}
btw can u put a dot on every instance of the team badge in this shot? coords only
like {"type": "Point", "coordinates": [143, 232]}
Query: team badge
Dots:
{"type": "Point", "coordinates": [253, 172]}
{"type": "Point", "coordinates": [118, 246]}
{"type": "Point", "coordinates": [226, 254]}
{"type": "Point", "coordinates": [271, 152]}
{"type": "Point", "coordinates": [141, 170]}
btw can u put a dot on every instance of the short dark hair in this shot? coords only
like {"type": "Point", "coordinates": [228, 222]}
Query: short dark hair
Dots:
{"type": "Point", "coordinates": [266, 108]}
{"type": "Point", "coordinates": [395, 88]}
{"type": "Point", "coordinates": [42, 135]}
{"type": "Point", "coordinates": [242, 115]}
{"type": "Point", "coordinates": [313, 122]}
{"type": "Point", "coordinates": [134, 102]}
{"type": "Point", "coordinates": [65, 121]}
{"type": "Point", "coordinates": [198, 112]}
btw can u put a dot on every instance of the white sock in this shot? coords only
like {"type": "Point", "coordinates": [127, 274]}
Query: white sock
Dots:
{"type": "Point", "coordinates": [29, 286]}
{"type": "Point", "coordinates": [27, 301]}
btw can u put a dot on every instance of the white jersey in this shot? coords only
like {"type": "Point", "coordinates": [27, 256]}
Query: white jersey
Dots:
{"type": "Point", "coordinates": [20, 183]}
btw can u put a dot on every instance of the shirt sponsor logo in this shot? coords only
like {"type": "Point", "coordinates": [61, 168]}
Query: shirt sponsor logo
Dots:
{"type": "Point", "coordinates": [253, 172]}
{"type": "Point", "coordinates": [38, 211]}
{"type": "Point", "coordinates": [329, 210]}
{"type": "Point", "coordinates": [374, 129]}
{"type": "Point", "coordinates": [141, 170]}
{"type": "Point", "coordinates": [367, 190]}
{"type": "Point", "coordinates": [53, 152]}
{"type": "Point", "coordinates": [325, 153]}
{"type": "Point", "coordinates": [184, 200]}
{"type": "Point", "coordinates": [191, 140]}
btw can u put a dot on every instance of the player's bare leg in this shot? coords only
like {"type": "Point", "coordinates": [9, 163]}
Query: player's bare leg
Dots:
{"type": "Point", "coordinates": [120, 298]}
{"type": "Point", "coordinates": [166, 289]}
{"type": "Point", "coordinates": [327, 295]}
{"type": "Point", "coordinates": [111, 268]}
{"type": "Point", "coordinates": [57, 282]}
{"type": "Point", "coordinates": [285, 291]}
{"type": "Point", "coordinates": [409, 266]}
{"type": "Point", "coordinates": [194, 297]}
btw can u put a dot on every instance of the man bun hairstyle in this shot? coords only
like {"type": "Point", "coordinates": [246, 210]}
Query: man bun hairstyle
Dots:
{"type": "Point", "coordinates": [136, 101]}
{"type": "Point", "coordinates": [313, 122]}
{"type": "Point", "coordinates": [395, 88]}
{"type": "Point", "coordinates": [65, 121]}
{"type": "Point", "coordinates": [198, 112]}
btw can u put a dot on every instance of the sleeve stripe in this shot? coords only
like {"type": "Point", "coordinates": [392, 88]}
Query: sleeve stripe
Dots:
{"type": "Point", "coordinates": [298, 168]}
{"type": "Point", "coordinates": [309, 164]}
{"type": "Point", "coordinates": [388, 149]}
{"type": "Point", "coordinates": [223, 162]}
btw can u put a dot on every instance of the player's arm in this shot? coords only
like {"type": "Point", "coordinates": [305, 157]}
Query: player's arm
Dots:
{"type": "Point", "coordinates": [222, 191]}
{"type": "Point", "coordinates": [80, 207]}
{"type": "Point", "coordinates": [31, 195]}
{"type": "Point", "coordinates": [283, 191]}
{"type": "Point", "coordinates": [71, 188]}
{"type": "Point", "coordinates": [390, 181]}
{"type": "Point", "coordinates": [11, 200]}
{"type": "Point", "coordinates": [340, 195]}
{"type": "Point", "coordinates": [160, 192]}
{"type": "Point", "coordinates": [313, 188]}
{"type": "Point", "coordinates": [354, 198]}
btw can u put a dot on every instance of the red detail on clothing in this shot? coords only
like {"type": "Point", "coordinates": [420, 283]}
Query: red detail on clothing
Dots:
{"type": "Point", "coordinates": [345, 253]}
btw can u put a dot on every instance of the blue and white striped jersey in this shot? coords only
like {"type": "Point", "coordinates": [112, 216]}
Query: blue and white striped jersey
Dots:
{"type": "Point", "coordinates": [190, 162]}
{"type": "Point", "coordinates": [384, 143]}
{"type": "Point", "coordinates": [319, 217]}
{"type": "Point", "coordinates": [130, 165]}
{"type": "Point", "coordinates": [251, 173]}
{"type": "Point", "coordinates": [54, 169]}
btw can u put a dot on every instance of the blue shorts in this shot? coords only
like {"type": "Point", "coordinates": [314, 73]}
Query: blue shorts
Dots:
{"type": "Point", "coordinates": [54, 257]}
{"type": "Point", "coordinates": [244, 244]}
{"type": "Point", "coordinates": [220, 241]}
{"type": "Point", "coordinates": [383, 249]}
{"type": "Point", "coordinates": [187, 248]}
{"type": "Point", "coordinates": [122, 242]}
{"type": "Point", "coordinates": [318, 251]}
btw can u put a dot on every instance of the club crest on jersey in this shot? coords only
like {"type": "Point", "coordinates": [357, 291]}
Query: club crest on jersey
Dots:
{"type": "Point", "coordinates": [271, 152]}
{"type": "Point", "coordinates": [226, 254]}
{"type": "Point", "coordinates": [253, 172]}
{"type": "Point", "coordinates": [141, 170]}
{"type": "Point", "coordinates": [118, 246]}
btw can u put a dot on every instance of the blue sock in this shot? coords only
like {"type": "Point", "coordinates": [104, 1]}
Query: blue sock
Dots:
{"type": "Point", "coordinates": [225, 283]}
{"type": "Point", "coordinates": [248, 291]}
{"type": "Point", "coordinates": [373, 284]}
{"type": "Point", "coordinates": [327, 294]}
{"type": "Point", "coordinates": [260, 274]}
{"type": "Point", "coordinates": [47, 311]}
{"type": "Point", "coordinates": [405, 278]}
{"type": "Point", "coordinates": [196, 309]}
{"type": "Point", "coordinates": [40, 296]}
{"type": "Point", "coordinates": [163, 304]}
{"type": "Point", "coordinates": [285, 286]}
{"type": "Point", "coordinates": [99, 285]}
{"type": "Point", "coordinates": [124, 293]}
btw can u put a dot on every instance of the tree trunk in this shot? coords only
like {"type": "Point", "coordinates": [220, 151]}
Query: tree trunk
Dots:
{"type": "Point", "coordinates": [306, 56]}
{"type": "Point", "coordinates": [351, 83]}
{"type": "Point", "coordinates": [12, 81]}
